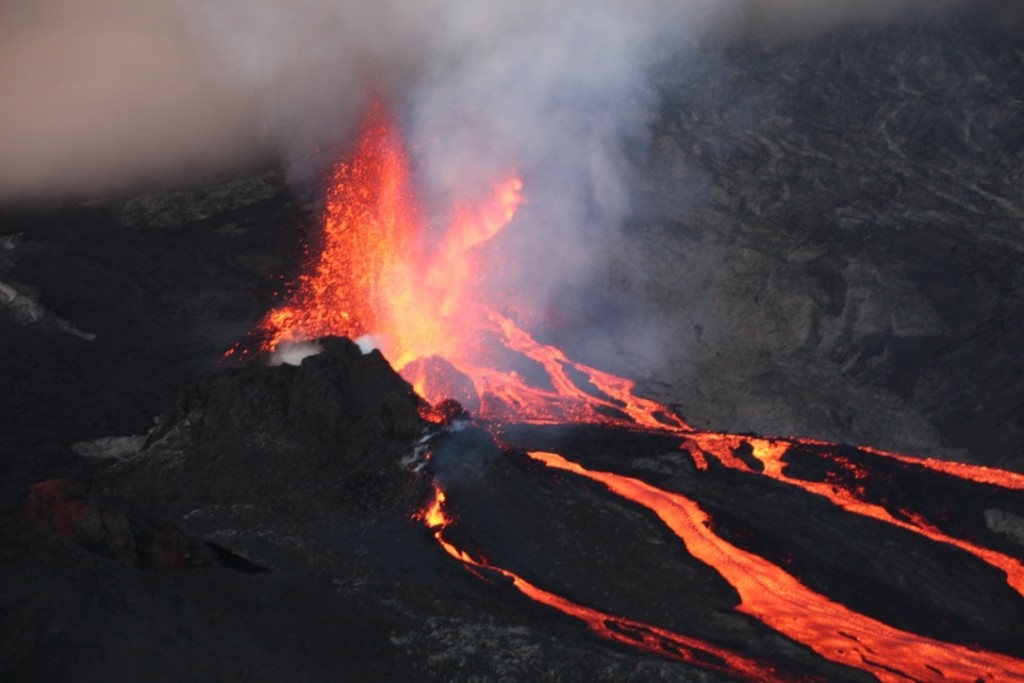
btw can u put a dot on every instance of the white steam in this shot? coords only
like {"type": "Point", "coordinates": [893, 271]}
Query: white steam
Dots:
{"type": "Point", "coordinates": [367, 343]}
{"type": "Point", "coordinates": [294, 353]}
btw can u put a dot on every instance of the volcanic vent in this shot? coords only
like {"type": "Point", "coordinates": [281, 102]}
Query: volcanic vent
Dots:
{"type": "Point", "coordinates": [767, 558]}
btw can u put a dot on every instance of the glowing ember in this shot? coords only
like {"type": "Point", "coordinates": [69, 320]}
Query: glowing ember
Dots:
{"type": "Point", "coordinates": [962, 470]}
{"type": "Point", "coordinates": [433, 516]}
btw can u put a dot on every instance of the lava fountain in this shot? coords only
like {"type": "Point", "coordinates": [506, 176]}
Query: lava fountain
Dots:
{"type": "Point", "coordinates": [376, 273]}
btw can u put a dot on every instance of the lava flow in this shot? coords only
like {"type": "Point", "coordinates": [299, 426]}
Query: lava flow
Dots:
{"type": "Point", "coordinates": [425, 303]}
{"type": "Point", "coordinates": [634, 633]}
{"type": "Point", "coordinates": [770, 453]}
{"type": "Point", "coordinates": [776, 598]}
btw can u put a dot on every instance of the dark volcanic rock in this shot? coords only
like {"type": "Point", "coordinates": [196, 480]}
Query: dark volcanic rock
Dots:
{"type": "Point", "coordinates": [63, 508]}
{"type": "Point", "coordinates": [322, 398]}
{"type": "Point", "coordinates": [171, 209]}
{"type": "Point", "coordinates": [827, 238]}
{"type": "Point", "coordinates": [106, 622]}
{"type": "Point", "coordinates": [163, 302]}
{"type": "Point", "coordinates": [330, 432]}
{"type": "Point", "coordinates": [299, 471]}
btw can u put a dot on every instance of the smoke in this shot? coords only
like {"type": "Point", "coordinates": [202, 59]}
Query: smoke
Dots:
{"type": "Point", "coordinates": [108, 95]}
{"type": "Point", "coordinates": [294, 353]}
{"type": "Point", "coordinates": [101, 95]}
{"type": "Point", "coordinates": [555, 92]}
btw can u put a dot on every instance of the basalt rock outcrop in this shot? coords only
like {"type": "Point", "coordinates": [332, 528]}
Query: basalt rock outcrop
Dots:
{"type": "Point", "coordinates": [327, 434]}
{"type": "Point", "coordinates": [827, 241]}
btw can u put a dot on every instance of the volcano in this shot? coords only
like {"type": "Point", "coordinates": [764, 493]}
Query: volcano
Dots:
{"type": "Point", "coordinates": [486, 496]}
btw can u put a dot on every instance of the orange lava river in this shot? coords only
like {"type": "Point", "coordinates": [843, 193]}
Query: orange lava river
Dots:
{"type": "Point", "coordinates": [423, 301]}
{"type": "Point", "coordinates": [642, 636]}
{"type": "Point", "coordinates": [777, 599]}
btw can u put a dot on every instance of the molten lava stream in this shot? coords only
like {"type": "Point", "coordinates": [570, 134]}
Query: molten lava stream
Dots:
{"type": "Point", "coordinates": [507, 397]}
{"type": "Point", "coordinates": [770, 453]}
{"type": "Point", "coordinates": [979, 474]}
{"type": "Point", "coordinates": [627, 631]}
{"type": "Point", "coordinates": [962, 470]}
{"type": "Point", "coordinates": [771, 595]}
{"type": "Point", "coordinates": [577, 404]}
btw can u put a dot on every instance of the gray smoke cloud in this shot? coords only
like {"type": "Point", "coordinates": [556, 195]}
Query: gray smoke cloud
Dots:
{"type": "Point", "coordinates": [108, 95]}
{"type": "Point", "coordinates": [554, 92]}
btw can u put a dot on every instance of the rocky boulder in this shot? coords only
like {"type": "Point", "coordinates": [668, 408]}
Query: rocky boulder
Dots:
{"type": "Point", "coordinates": [329, 432]}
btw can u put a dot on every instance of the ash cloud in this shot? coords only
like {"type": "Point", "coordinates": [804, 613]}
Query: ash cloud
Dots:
{"type": "Point", "coordinates": [103, 95]}
{"type": "Point", "coordinates": [110, 95]}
